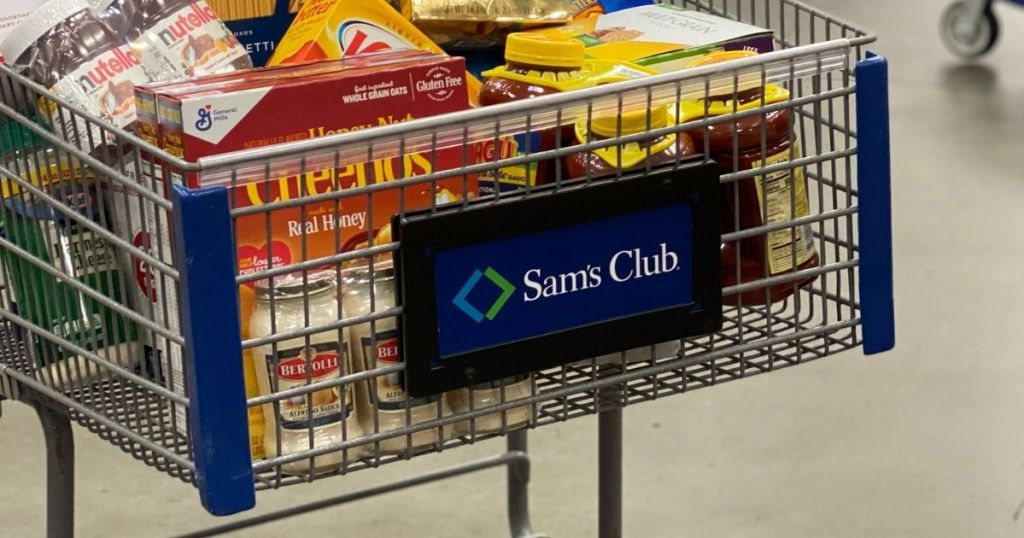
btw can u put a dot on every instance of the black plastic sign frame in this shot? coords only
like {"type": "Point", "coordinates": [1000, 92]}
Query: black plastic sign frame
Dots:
{"type": "Point", "coordinates": [468, 318]}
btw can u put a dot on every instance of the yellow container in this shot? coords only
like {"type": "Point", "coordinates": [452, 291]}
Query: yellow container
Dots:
{"type": "Point", "coordinates": [331, 29]}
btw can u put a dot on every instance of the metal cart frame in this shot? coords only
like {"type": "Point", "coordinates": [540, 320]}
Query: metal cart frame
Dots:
{"type": "Point", "coordinates": [848, 306]}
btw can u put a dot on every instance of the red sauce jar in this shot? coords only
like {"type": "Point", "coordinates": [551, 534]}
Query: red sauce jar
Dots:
{"type": "Point", "coordinates": [777, 197]}
{"type": "Point", "coordinates": [632, 155]}
{"type": "Point", "coordinates": [536, 65]}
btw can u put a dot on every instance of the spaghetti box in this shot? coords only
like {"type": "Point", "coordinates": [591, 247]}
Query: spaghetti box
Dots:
{"type": "Point", "coordinates": [265, 112]}
{"type": "Point", "coordinates": [258, 24]}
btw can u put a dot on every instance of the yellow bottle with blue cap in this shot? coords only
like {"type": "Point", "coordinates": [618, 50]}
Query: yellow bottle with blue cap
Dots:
{"type": "Point", "coordinates": [539, 65]}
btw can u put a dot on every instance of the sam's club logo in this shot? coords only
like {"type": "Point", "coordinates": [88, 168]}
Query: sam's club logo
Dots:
{"type": "Point", "coordinates": [462, 299]}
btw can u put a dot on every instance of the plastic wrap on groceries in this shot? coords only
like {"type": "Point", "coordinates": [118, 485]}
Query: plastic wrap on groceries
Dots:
{"type": "Point", "coordinates": [175, 38]}
{"type": "Point", "coordinates": [65, 47]}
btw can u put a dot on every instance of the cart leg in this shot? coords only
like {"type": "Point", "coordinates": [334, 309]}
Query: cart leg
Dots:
{"type": "Point", "coordinates": [518, 487]}
{"type": "Point", "coordinates": [60, 472]}
{"type": "Point", "coordinates": [609, 457]}
{"type": "Point", "coordinates": [609, 487]}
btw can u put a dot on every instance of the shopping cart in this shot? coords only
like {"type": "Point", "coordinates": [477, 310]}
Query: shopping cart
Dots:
{"type": "Point", "coordinates": [970, 28]}
{"type": "Point", "coordinates": [171, 392]}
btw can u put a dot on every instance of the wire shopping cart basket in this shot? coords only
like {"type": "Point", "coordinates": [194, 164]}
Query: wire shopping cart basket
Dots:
{"type": "Point", "coordinates": [130, 306]}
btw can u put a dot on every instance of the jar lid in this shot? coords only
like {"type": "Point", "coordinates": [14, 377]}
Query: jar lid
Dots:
{"type": "Point", "coordinates": [631, 122]}
{"type": "Point", "coordinates": [42, 20]}
{"type": "Point", "coordinates": [361, 273]}
{"type": "Point", "coordinates": [544, 50]}
{"type": "Point", "coordinates": [295, 285]}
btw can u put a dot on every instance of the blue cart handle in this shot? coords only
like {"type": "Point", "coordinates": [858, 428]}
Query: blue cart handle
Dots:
{"type": "Point", "coordinates": [874, 183]}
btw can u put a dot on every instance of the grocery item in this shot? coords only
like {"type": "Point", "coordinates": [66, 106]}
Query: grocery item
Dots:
{"type": "Point", "coordinates": [12, 12]}
{"type": "Point", "coordinates": [652, 152]}
{"type": "Point", "coordinates": [66, 48]}
{"type": "Point", "coordinates": [749, 143]}
{"type": "Point", "coordinates": [176, 38]}
{"type": "Point", "coordinates": [148, 124]}
{"type": "Point", "coordinates": [463, 23]}
{"type": "Point", "coordinates": [330, 29]}
{"type": "Point", "coordinates": [31, 225]}
{"type": "Point", "coordinates": [258, 24]}
{"type": "Point", "coordinates": [391, 86]}
{"type": "Point", "coordinates": [485, 395]}
{"type": "Point", "coordinates": [316, 419]}
{"type": "Point", "coordinates": [53, 237]}
{"type": "Point", "coordinates": [539, 65]}
{"type": "Point", "coordinates": [383, 402]}
{"type": "Point", "coordinates": [661, 36]}
{"type": "Point", "coordinates": [152, 293]}
{"type": "Point", "coordinates": [245, 116]}
{"type": "Point", "coordinates": [583, 9]}
{"type": "Point", "coordinates": [23, 152]}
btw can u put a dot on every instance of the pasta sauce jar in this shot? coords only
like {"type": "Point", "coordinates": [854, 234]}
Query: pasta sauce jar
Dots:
{"type": "Point", "coordinates": [653, 151]}
{"type": "Point", "coordinates": [382, 400]}
{"type": "Point", "coordinates": [311, 420]}
{"type": "Point", "coordinates": [536, 66]}
{"type": "Point", "coordinates": [750, 143]}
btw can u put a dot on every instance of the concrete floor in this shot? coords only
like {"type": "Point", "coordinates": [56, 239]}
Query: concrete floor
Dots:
{"type": "Point", "coordinates": [926, 441]}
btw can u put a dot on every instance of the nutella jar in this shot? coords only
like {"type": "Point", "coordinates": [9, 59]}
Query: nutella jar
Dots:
{"type": "Point", "coordinates": [749, 143]}
{"type": "Point", "coordinates": [187, 38]}
{"type": "Point", "coordinates": [66, 48]}
{"type": "Point", "coordinates": [653, 151]}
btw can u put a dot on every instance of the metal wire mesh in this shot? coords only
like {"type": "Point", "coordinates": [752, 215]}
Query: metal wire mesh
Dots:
{"type": "Point", "coordinates": [329, 397]}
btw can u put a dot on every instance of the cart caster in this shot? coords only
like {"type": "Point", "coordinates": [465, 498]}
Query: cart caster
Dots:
{"type": "Point", "coordinates": [965, 37]}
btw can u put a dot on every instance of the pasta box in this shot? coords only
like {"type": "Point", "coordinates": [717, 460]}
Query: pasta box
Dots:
{"type": "Point", "coordinates": [258, 24]}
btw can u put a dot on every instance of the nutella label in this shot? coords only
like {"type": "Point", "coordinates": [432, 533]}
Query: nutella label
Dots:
{"type": "Point", "coordinates": [319, 362]}
{"type": "Point", "coordinates": [105, 86]}
{"type": "Point", "coordinates": [390, 393]}
{"type": "Point", "coordinates": [191, 42]}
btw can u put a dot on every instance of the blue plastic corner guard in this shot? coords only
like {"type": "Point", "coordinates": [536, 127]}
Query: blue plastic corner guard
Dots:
{"type": "Point", "coordinates": [874, 183]}
{"type": "Point", "coordinates": [218, 416]}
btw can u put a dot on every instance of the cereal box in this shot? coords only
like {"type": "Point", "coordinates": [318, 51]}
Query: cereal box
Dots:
{"type": "Point", "coordinates": [342, 28]}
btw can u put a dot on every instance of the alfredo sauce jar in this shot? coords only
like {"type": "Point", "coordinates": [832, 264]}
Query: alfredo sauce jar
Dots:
{"type": "Point", "coordinates": [382, 401]}
{"type": "Point", "coordinates": [311, 420]}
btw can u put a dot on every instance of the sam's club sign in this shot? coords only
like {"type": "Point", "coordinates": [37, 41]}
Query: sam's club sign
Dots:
{"type": "Point", "coordinates": [514, 289]}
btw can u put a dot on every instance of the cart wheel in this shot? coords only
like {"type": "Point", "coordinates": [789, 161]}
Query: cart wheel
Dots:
{"type": "Point", "coordinates": [967, 40]}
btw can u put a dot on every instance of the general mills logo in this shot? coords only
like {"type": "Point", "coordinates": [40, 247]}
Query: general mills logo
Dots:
{"type": "Point", "coordinates": [462, 299]}
{"type": "Point", "coordinates": [205, 121]}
